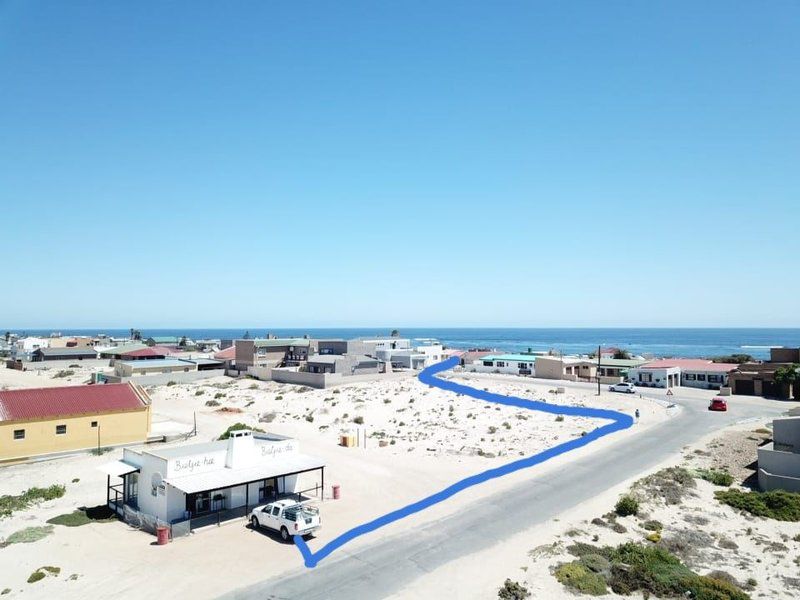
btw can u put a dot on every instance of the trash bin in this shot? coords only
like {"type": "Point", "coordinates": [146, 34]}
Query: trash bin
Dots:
{"type": "Point", "coordinates": [162, 533]}
{"type": "Point", "coordinates": [336, 492]}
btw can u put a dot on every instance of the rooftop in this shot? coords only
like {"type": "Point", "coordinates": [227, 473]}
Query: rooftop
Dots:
{"type": "Point", "coordinates": [158, 363]}
{"type": "Point", "coordinates": [147, 351]}
{"type": "Point", "coordinates": [511, 357]}
{"type": "Point", "coordinates": [690, 364]}
{"type": "Point", "coordinates": [277, 342]}
{"type": "Point", "coordinates": [70, 401]}
{"type": "Point", "coordinates": [66, 351]}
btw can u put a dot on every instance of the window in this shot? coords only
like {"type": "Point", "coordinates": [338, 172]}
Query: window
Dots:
{"type": "Point", "coordinates": [715, 378]}
{"type": "Point", "coordinates": [689, 376]}
{"type": "Point", "coordinates": [523, 365]}
{"type": "Point", "coordinates": [487, 363]}
{"type": "Point", "coordinates": [701, 377]}
{"type": "Point", "coordinates": [500, 363]}
{"type": "Point", "coordinates": [94, 423]}
{"type": "Point", "coordinates": [19, 434]}
{"type": "Point", "coordinates": [61, 429]}
{"type": "Point", "coordinates": [276, 510]}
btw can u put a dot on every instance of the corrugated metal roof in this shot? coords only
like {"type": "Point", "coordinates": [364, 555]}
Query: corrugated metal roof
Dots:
{"type": "Point", "coordinates": [69, 401]}
{"type": "Point", "coordinates": [66, 351]}
{"type": "Point", "coordinates": [222, 478]}
{"type": "Point", "coordinates": [123, 348]}
{"type": "Point", "coordinates": [690, 364]}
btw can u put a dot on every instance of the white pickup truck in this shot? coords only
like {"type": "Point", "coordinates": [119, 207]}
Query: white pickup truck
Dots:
{"type": "Point", "coordinates": [286, 516]}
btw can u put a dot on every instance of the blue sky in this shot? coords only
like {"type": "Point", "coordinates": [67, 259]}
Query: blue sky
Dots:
{"type": "Point", "coordinates": [404, 163]}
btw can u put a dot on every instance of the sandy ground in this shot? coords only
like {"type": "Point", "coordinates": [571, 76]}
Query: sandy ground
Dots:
{"type": "Point", "coordinates": [713, 536]}
{"type": "Point", "coordinates": [432, 438]}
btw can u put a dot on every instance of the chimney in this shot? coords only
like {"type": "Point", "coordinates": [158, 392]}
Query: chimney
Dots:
{"type": "Point", "coordinates": [241, 449]}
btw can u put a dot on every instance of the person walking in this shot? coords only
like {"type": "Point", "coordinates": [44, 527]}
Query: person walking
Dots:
{"type": "Point", "coordinates": [637, 415]}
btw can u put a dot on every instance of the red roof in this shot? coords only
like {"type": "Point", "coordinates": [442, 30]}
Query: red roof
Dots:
{"type": "Point", "coordinates": [226, 354]}
{"type": "Point", "coordinates": [155, 351]}
{"type": "Point", "coordinates": [73, 400]}
{"type": "Point", "coordinates": [690, 364]}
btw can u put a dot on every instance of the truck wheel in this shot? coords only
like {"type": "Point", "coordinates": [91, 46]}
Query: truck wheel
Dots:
{"type": "Point", "coordinates": [254, 522]}
{"type": "Point", "coordinates": [284, 534]}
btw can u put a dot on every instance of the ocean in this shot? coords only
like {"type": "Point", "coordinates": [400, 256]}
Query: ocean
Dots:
{"type": "Point", "coordinates": [690, 343]}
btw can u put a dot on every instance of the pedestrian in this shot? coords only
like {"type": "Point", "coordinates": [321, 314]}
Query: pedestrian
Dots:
{"type": "Point", "coordinates": [637, 415]}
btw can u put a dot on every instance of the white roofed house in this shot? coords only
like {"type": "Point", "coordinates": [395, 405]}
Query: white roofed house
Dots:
{"type": "Point", "coordinates": [202, 484]}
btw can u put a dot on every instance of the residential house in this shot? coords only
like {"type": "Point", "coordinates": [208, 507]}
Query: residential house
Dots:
{"type": "Point", "coordinates": [758, 378]}
{"type": "Point", "coordinates": [272, 352]}
{"type": "Point", "coordinates": [689, 372]}
{"type": "Point", "coordinates": [515, 364]}
{"type": "Point", "coordinates": [346, 364]}
{"type": "Point", "coordinates": [45, 421]}
{"type": "Point", "coordinates": [63, 353]}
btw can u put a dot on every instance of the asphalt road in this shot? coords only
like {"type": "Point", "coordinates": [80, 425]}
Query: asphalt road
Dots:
{"type": "Point", "coordinates": [386, 566]}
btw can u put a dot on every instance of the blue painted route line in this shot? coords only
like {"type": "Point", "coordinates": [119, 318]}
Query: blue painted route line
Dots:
{"type": "Point", "coordinates": [618, 422]}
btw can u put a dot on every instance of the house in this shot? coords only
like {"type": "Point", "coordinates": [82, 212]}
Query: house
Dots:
{"type": "Point", "coordinates": [271, 352]}
{"type": "Point", "coordinates": [133, 368]}
{"type": "Point", "coordinates": [758, 378]}
{"type": "Point", "coordinates": [578, 368]}
{"type": "Point", "coordinates": [71, 342]}
{"type": "Point", "coordinates": [200, 484]}
{"type": "Point", "coordinates": [118, 352]}
{"type": "Point", "coordinates": [779, 460]}
{"type": "Point", "coordinates": [24, 347]}
{"type": "Point", "coordinates": [227, 357]}
{"type": "Point", "coordinates": [690, 372]}
{"type": "Point", "coordinates": [346, 364]}
{"type": "Point", "coordinates": [63, 353]}
{"type": "Point", "coordinates": [146, 353]}
{"type": "Point", "coordinates": [515, 364]}
{"type": "Point", "coordinates": [46, 421]}
{"type": "Point", "coordinates": [389, 343]}
{"type": "Point", "coordinates": [339, 346]}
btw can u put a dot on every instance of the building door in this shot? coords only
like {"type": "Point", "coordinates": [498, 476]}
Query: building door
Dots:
{"type": "Point", "coordinates": [202, 503]}
{"type": "Point", "coordinates": [745, 387]}
{"type": "Point", "coordinates": [268, 490]}
{"type": "Point", "coordinates": [132, 489]}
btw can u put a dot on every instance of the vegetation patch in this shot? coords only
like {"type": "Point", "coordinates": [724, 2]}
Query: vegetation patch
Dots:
{"type": "Point", "coordinates": [34, 495]}
{"type": "Point", "coordinates": [649, 569]}
{"type": "Point", "coordinates": [43, 572]}
{"type": "Point", "coordinates": [670, 484]}
{"type": "Point", "coordinates": [777, 504]}
{"type": "Point", "coordinates": [27, 535]}
{"type": "Point", "coordinates": [64, 373]}
{"type": "Point", "coordinates": [717, 477]}
{"type": "Point", "coordinates": [513, 590]}
{"type": "Point", "coordinates": [626, 506]}
{"type": "Point", "coordinates": [238, 427]}
{"type": "Point", "coordinates": [84, 516]}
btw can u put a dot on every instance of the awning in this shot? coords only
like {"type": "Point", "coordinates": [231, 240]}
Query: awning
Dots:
{"type": "Point", "coordinates": [117, 468]}
{"type": "Point", "coordinates": [224, 478]}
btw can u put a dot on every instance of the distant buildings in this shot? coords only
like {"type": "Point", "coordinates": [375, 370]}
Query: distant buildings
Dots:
{"type": "Point", "coordinates": [63, 353]}
{"type": "Point", "coordinates": [689, 372]}
{"type": "Point", "coordinates": [759, 378]}
{"type": "Point", "coordinates": [514, 364]}
{"type": "Point", "coordinates": [271, 352]}
{"type": "Point", "coordinates": [45, 421]}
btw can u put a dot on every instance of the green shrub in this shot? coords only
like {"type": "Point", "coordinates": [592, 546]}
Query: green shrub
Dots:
{"type": "Point", "coordinates": [36, 576]}
{"type": "Point", "coordinates": [64, 373]}
{"type": "Point", "coordinates": [28, 535]}
{"type": "Point", "coordinates": [626, 506]}
{"type": "Point", "coordinates": [359, 420]}
{"type": "Point", "coordinates": [9, 504]}
{"type": "Point", "coordinates": [219, 395]}
{"type": "Point", "coordinates": [84, 516]}
{"type": "Point", "coordinates": [171, 383]}
{"type": "Point", "coordinates": [777, 504]}
{"type": "Point", "coordinates": [237, 427]}
{"type": "Point", "coordinates": [721, 478]}
{"type": "Point", "coordinates": [513, 590]}
{"type": "Point", "coordinates": [653, 525]}
{"type": "Point", "coordinates": [559, 418]}
{"type": "Point", "coordinates": [310, 418]}
{"type": "Point", "coordinates": [212, 403]}
{"type": "Point", "coordinates": [576, 576]}
{"type": "Point", "coordinates": [708, 588]}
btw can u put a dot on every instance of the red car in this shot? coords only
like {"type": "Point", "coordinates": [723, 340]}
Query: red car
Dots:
{"type": "Point", "coordinates": [718, 404]}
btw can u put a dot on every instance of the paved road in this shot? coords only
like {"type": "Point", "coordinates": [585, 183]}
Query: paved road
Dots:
{"type": "Point", "coordinates": [386, 566]}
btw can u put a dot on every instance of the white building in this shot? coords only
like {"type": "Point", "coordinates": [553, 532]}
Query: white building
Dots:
{"type": "Point", "coordinates": [215, 478]}
{"type": "Point", "coordinates": [513, 364]}
{"type": "Point", "coordinates": [23, 347]}
{"type": "Point", "coordinates": [690, 372]}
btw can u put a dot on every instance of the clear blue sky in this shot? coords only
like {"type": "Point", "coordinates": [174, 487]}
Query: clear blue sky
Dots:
{"type": "Point", "coordinates": [403, 163]}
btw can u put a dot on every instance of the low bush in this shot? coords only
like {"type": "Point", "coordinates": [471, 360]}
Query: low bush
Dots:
{"type": "Point", "coordinates": [171, 383]}
{"type": "Point", "coordinates": [199, 392]}
{"type": "Point", "coordinates": [359, 420]}
{"type": "Point", "coordinates": [626, 506]}
{"type": "Point", "coordinates": [578, 577]}
{"type": "Point", "coordinates": [219, 395]}
{"type": "Point", "coordinates": [64, 373]}
{"type": "Point", "coordinates": [27, 535]}
{"type": "Point", "coordinates": [670, 484]}
{"type": "Point", "coordinates": [653, 525]}
{"type": "Point", "coordinates": [513, 590]}
{"type": "Point", "coordinates": [721, 478]}
{"type": "Point", "coordinates": [559, 418]}
{"type": "Point", "coordinates": [84, 516]}
{"type": "Point", "coordinates": [649, 569]}
{"type": "Point", "coordinates": [9, 504]}
{"type": "Point", "coordinates": [237, 427]}
{"type": "Point", "coordinates": [777, 504]}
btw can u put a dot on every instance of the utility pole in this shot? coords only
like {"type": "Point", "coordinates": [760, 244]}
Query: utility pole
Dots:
{"type": "Point", "coordinates": [98, 438]}
{"type": "Point", "coordinates": [598, 370]}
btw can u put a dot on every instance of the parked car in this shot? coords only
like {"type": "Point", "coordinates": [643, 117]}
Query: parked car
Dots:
{"type": "Point", "coordinates": [625, 387]}
{"type": "Point", "coordinates": [288, 517]}
{"type": "Point", "coordinates": [718, 403]}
